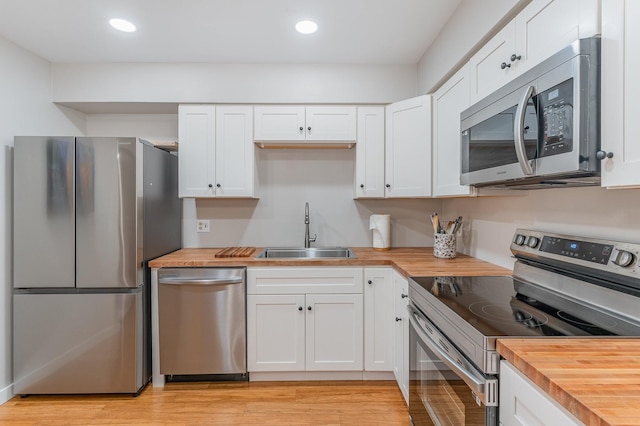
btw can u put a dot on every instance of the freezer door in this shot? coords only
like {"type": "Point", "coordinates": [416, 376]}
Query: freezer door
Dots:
{"type": "Point", "coordinates": [43, 212]}
{"type": "Point", "coordinates": [107, 215]}
{"type": "Point", "coordinates": [78, 343]}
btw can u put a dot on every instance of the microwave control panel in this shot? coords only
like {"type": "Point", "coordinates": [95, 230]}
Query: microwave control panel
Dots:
{"type": "Point", "coordinates": [556, 105]}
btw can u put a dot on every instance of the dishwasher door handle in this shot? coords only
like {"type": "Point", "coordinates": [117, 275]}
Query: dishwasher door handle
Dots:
{"type": "Point", "coordinates": [199, 281]}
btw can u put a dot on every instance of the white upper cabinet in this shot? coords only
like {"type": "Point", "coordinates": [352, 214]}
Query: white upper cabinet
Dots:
{"type": "Point", "coordinates": [542, 28]}
{"type": "Point", "coordinates": [369, 179]}
{"type": "Point", "coordinates": [216, 151]}
{"type": "Point", "coordinates": [620, 89]}
{"type": "Point", "coordinates": [408, 148]}
{"type": "Point", "coordinates": [196, 157]}
{"type": "Point", "coordinates": [235, 156]}
{"type": "Point", "coordinates": [449, 101]}
{"type": "Point", "coordinates": [298, 123]}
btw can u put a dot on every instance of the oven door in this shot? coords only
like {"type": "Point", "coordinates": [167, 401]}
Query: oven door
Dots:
{"type": "Point", "coordinates": [444, 387]}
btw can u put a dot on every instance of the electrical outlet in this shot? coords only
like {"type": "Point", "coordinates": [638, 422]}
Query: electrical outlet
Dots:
{"type": "Point", "coordinates": [202, 225]}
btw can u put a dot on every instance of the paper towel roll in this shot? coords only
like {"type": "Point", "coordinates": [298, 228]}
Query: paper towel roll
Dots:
{"type": "Point", "coordinates": [380, 224]}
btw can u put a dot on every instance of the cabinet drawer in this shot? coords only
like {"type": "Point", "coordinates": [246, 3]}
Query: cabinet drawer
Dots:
{"type": "Point", "coordinates": [304, 280]}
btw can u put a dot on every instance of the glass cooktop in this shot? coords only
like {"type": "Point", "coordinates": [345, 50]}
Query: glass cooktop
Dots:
{"type": "Point", "coordinates": [504, 306]}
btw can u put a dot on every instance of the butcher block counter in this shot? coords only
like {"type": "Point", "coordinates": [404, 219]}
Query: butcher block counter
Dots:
{"type": "Point", "coordinates": [597, 380]}
{"type": "Point", "coordinates": [410, 261]}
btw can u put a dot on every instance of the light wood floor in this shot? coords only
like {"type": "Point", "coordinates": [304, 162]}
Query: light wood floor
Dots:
{"type": "Point", "coordinates": [255, 403]}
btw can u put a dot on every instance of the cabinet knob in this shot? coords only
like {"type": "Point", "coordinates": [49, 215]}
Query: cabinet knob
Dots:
{"type": "Point", "coordinates": [515, 57]}
{"type": "Point", "coordinates": [369, 282]}
{"type": "Point", "coordinates": [301, 129]}
{"type": "Point", "coordinates": [404, 295]}
{"type": "Point", "coordinates": [309, 129]}
{"type": "Point", "coordinates": [218, 185]}
{"type": "Point", "coordinates": [388, 185]}
{"type": "Point", "coordinates": [362, 185]}
{"type": "Point", "coordinates": [210, 186]}
{"type": "Point", "coordinates": [309, 308]}
{"type": "Point", "coordinates": [300, 308]}
{"type": "Point", "coordinates": [601, 155]}
{"type": "Point", "coordinates": [398, 319]}
{"type": "Point", "coordinates": [505, 65]}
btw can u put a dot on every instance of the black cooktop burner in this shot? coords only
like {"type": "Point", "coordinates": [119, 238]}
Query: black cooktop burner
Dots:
{"type": "Point", "coordinates": [504, 306]}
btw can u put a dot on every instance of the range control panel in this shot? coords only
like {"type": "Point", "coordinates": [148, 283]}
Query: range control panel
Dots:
{"type": "Point", "coordinates": [612, 256]}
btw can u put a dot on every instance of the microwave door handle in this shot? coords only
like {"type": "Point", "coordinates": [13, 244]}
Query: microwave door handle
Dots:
{"type": "Point", "coordinates": [518, 132]}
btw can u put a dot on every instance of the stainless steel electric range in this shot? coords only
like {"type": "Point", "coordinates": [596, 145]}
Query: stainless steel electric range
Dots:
{"type": "Point", "coordinates": [561, 286]}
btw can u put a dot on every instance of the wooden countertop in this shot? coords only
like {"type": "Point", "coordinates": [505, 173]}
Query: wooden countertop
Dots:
{"type": "Point", "coordinates": [410, 261]}
{"type": "Point", "coordinates": [597, 380]}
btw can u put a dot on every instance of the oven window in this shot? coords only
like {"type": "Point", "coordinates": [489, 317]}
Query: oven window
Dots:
{"type": "Point", "coordinates": [438, 396]}
{"type": "Point", "coordinates": [491, 143]}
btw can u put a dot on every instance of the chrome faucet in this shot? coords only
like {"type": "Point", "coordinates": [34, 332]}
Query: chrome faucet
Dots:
{"type": "Point", "coordinates": [307, 239]}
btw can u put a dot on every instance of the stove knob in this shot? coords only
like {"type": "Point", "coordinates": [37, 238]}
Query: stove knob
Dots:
{"type": "Point", "coordinates": [624, 258]}
{"type": "Point", "coordinates": [533, 242]}
{"type": "Point", "coordinates": [519, 240]}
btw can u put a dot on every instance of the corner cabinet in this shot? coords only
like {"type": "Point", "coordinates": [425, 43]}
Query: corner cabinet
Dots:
{"type": "Point", "coordinates": [304, 319]}
{"type": "Point", "coordinates": [369, 170]}
{"type": "Point", "coordinates": [408, 148]}
{"type": "Point", "coordinates": [449, 101]}
{"type": "Point", "coordinates": [300, 123]}
{"type": "Point", "coordinates": [216, 151]}
{"type": "Point", "coordinates": [620, 88]}
{"type": "Point", "coordinates": [541, 29]}
{"type": "Point", "coordinates": [378, 319]}
{"type": "Point", "coordinates": [523, 403]}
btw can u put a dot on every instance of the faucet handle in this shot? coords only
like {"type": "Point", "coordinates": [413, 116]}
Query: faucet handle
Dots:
{"type": "Point", "coordinates": [313, 240]}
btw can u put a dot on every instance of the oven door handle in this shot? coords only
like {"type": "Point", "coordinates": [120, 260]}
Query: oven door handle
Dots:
{"type": "Point", "coordinates": [518, 131]}
{"type": "Point", "coordinates": [476, 383]}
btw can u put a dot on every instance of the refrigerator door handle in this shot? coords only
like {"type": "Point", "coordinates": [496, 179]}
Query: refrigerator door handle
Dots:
{"type": "Point", "coordinates": [199, 281]}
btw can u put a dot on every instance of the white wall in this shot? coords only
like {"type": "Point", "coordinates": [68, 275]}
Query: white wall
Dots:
{"type": "Point", "coordinates": [589, 212]}
{"type": "Point", "coordinates": [470, 26]}
{"type": "Point", "coordinates": [25, 109]}
{"type": "Point", "coordinates": [148, 126]}
{"type": "Point", "coordinates": [288, 179]}
{"type": "Point", "coordinates": [240, 83]}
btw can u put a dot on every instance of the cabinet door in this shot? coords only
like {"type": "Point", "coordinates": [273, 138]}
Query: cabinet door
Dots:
{"type": "Point", "coordinates": [369, 179]}
{"type": "Point", "coordinates": [408, 148]}
{"type": "Point", "coordinates": [331, 123]}
{"type": "Point", "coordinates": [334, 332]}
{"type": "Point", "coordinates": [544, 27]}
{"type": "Point", "coordinates": [523, 403]}
{"type": "Point", "coordinates": [486, 68]}
{"type": "Point", "coordinates": [448, 102]}
{"type": "Point", "coordinates": [378, 319]}
{"type": "Point", "coordinates": [234, 151]}
{"type": "Point", "coordinates": [276, 332]}
{"type": "Point", "coordinates": [196, 159]}
{"type": "Point", "coordinates": [620, 90]}
{"type": "Point", "coordinates": [401, 334]}
{"type": "Point", "coordinates": [279, 123]}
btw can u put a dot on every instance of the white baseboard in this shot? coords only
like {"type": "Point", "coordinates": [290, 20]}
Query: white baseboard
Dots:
{"type": "Point", "coordinates": [6, 394]}
{"type": "Point", "coordinates": [293, 376]}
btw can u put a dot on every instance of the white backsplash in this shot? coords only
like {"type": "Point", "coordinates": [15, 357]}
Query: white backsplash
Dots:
{"type": "Point", "coordinates": [288, 179]}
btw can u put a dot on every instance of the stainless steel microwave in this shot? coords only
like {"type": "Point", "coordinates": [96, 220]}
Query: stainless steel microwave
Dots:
{"type": "Point", "coordinates": [540, 130]}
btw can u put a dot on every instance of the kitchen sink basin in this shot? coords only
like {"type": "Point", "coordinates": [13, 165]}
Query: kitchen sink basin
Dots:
{"type": "Point", "coordinates": [306, 253]}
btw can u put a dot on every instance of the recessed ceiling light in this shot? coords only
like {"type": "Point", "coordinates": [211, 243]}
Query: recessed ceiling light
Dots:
{"type": "Point", "coordinates": [306, 27]}
{"type": "Point", "coordinates": [122, 25]}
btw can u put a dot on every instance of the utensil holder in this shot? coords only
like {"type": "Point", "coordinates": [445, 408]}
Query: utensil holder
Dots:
{"type": "Point", "coordinates": [444, 246]}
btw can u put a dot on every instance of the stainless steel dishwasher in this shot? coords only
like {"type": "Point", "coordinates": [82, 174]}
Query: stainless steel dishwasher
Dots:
{"type": "Point", "coordinates": [202, 322]}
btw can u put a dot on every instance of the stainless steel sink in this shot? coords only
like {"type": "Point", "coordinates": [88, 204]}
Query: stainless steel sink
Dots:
{"type": "Point", "coordinates": [306, 253]}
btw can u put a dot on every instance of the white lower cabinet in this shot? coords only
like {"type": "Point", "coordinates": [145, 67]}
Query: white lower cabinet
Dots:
{"type": "Point", "coordinates": [319, 328]}
{"type": "Point", "coordinates": [401, 333]}
{"type": "Point", "coordinates": [523, 403]}
{"type": "Point", "coordinates": [378, 319]}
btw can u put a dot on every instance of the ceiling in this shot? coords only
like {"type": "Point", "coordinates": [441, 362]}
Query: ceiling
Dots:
{"type": "Point", "coordinates": [226, 31]}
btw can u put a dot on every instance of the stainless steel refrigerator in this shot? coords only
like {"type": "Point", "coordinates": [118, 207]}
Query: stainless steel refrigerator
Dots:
{"type": "Point", "coordinates": [88, 215]}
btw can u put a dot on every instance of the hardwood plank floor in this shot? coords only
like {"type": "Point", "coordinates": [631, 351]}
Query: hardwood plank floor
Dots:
{"type": "Point", "coordinates": [204, 403]}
